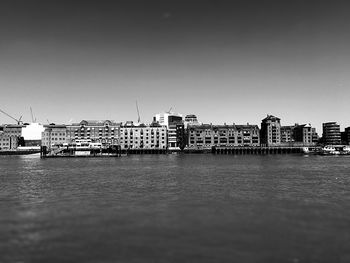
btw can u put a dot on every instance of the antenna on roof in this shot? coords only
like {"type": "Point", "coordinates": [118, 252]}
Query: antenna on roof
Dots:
{"type": "Point", "coordinates": [138, 113]}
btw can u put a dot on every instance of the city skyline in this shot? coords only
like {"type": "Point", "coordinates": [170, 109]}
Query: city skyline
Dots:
{"type": "Point", "coordinates": [224, 62]}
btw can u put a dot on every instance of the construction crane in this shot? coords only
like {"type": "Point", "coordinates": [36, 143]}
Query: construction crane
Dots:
{"type": "Point", "coordinates": [8, 115]}
{"type": "Point", "coordinates": [31, 113]}
{"type": "Point", "coordinates": [138, 113]}
{"type": "Point", "coordinates": [169, 111]}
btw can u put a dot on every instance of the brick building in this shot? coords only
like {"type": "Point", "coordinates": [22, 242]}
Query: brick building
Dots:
{"type": "Point", "coordinates": [206, 136]}
{"type": "Point", "coordinates": [105, 132]}
{"type": "Point", "coordinates": [143, 136]}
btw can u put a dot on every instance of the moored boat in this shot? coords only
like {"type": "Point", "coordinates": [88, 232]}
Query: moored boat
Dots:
{"type": "Point", "coordinates": [336, 150]}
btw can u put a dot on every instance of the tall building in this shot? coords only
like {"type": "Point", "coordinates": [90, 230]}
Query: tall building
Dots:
{"type": "Point", "coordinates": [206, 136]}
{"type": "Point", "coordinates": [171, 121]}
{"type": "Point", "coordinates": [54, 135]}
{"type": "Point", "coordinates": [165, 118]}
{"type": "Point", "coordinates": [181, 136]}
{"type": "Point", "coordinates": [270, 133]}
{"type": "Point", "coordinates": [105, 132]}
{"type": "Point", "coordinates": [331, 133]}
{"type": "Point", "coordinates": [10, 135]}
{"type": "Point", "coordinates": [143, 137]}
{"type": "Point", "coordinates": [346, 136]}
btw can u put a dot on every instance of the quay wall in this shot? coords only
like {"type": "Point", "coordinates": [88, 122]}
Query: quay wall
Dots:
{"type": "Point", "coordinates": [256, 150]}
{"type": "Point", "coordinates": [213, 150]}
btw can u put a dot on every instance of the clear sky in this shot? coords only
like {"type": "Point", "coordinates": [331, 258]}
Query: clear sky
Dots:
{"type": "Point", "coordinates": [225, 61]}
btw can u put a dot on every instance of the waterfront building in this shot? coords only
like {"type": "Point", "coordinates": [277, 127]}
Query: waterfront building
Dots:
{"type": "Point", "coordinates": [287, 135]}
{"type": "Point", "coordinates": [305, 134]}
{"type": "Point", "coordinates": [331, 133]}
{"type": "Point", "coordinates": [346, 136]}
{"type": "Point", "coordinates": [32, 133]}
{"type": "Point", "coordinates": [106, 132]}
{"type": "Point", "coordinates": [270, 133]}
{"type": "Point", "coordinates": [181, 136]}
{"type": "Point", "coordinates": [165, 118]}
{"type": "Point", "coordinates": [10, 136]}
{"type": "Point", "coordinates": [191, 119]}
{"type": "Point", "coordinates": [143, 136]}
{"type": "Point", "coordinates": [54, 135]}
{"type": "Point", "coordinates": [206, 136]}
{"type": "Point", "coordinates": [170, 120]}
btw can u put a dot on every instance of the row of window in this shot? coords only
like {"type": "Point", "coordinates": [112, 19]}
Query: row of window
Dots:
{"type": "Point", "coordinates": [136, 142]}
{"type": "Point", "coordinates": [56, 134]}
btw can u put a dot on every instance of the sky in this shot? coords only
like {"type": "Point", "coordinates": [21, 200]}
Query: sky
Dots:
{"type": "Point", "coordinates": [225, 61]}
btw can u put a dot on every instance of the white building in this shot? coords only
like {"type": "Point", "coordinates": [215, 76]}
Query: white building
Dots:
{"type": "Point", "coordinates": [33, 131]}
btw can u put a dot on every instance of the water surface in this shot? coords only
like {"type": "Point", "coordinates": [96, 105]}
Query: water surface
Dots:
{"type": "Point", "coordinates": [175, 208]}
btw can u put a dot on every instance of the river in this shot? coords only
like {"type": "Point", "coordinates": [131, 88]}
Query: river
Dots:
{"type": "Point", "coordinates": [175, 208]}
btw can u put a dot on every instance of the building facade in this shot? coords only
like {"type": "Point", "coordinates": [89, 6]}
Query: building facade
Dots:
{"type": "Point", "coordinates": [270, 133]}
{"type": "Point", "coordinates": [305, 134]}
{"type": "Point", "coordinates": [191, 119]}
{"type": "Point", "coordinates": [331, 133]}
{"type": "Point", "coordinates": [287, 134]}
{"type": "Point", "coordinates": [171, 121]}
{"type": "Point", "coordinates": [143, 136]}
{"type": "Point", "coordinates": [206, 136]}
{"type": "Point", "coordinates": [105, 132]}
{"type": "Point", "coordinates": [346, 136]}
{"type": "Point", "coordinates": [54, 135]}
{"type": "Point", "coordinates": [10, 135]}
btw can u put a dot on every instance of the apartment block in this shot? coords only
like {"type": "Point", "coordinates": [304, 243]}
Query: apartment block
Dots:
{"type": "Point", "coordinates": [143, 136]}
{"type": "Point", "coordinates": [270, 133]}
{"type": "Point", "coordinates": [331, 133]}
{"type": "Point", "coordinates": [206, 136]}
{"type": "Point", "coordinates": [10, 135]}
{"type": "Point", "coordinates": [105, 132]}
{"type": "Point", "coordinates": [54, 135]}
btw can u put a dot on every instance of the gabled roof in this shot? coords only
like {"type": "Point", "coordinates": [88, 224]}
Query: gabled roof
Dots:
{"type": "Point", "coordinates": [95, 123]}
{"type": "Point", "coordinates": [271, 117]}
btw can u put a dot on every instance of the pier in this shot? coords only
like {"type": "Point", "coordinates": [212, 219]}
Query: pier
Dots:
{"type": "Point", "coordinates": [113, 151]}
{"type": "Point", "coordinates": [256, 150]}
{"type": "Point", "coordinates": [144, 151]}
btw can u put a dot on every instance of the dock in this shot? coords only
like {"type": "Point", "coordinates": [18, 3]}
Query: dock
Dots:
{"type": "Point", "coordinates": [62, 152]}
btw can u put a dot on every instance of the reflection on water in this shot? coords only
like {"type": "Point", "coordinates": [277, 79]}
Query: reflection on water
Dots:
{"type": "Point", "coordinates": [175, 208]}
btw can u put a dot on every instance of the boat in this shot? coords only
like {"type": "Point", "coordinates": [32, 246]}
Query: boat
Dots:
{"type": "Point", "coordinates": [21, 150]}
{"type": "Point", "coordinates": [311, 150]}
{"type": "Point", "coordinates": [330, 150]}
{"type": "Point", "coordinates": [345, 150]}
{"type": "Point", "coordinates": [336, 150]}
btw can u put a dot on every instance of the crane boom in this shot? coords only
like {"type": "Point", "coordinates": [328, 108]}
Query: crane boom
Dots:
{"type": "Point", "coordinates": [8, 115]}
{"type": "Point", "coordinates": [31, 113]}
{"type": "Point", "coordinates": [138, 113]}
